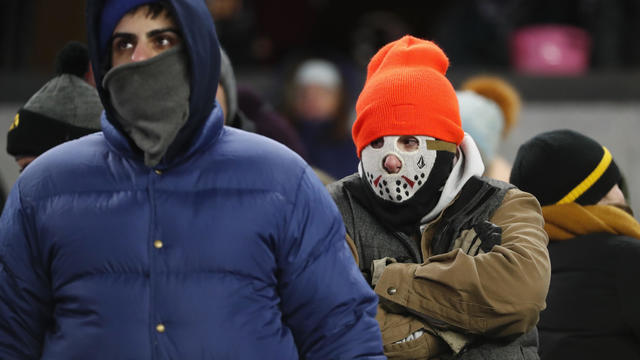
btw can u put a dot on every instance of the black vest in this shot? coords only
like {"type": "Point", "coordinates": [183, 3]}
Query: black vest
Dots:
{"type": "Point", "coordinates": [476, 202]}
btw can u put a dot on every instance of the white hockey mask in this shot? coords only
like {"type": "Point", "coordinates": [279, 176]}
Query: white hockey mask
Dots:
{"type": "Point", "coordinates": [416, 164]}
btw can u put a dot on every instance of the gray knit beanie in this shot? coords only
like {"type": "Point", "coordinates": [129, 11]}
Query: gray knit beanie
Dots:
{"type": "Point", "coordinates": [65, 108]}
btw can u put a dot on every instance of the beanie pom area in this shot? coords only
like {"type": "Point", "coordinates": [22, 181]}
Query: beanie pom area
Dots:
{"type": "Point", "coordinates": [72, 59]}
{"type": "Point", "coordinates": [409, 51]}
{"type": "Point", "coordinates": [502, 93]}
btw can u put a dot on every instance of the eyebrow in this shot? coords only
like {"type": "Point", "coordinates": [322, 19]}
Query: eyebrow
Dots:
{"type": "Point", "coordinates": [155, 32]}
{"type": "Point", "coordinates": [149, 34]}
{"type": "Point", "coordinates": [121, 35]}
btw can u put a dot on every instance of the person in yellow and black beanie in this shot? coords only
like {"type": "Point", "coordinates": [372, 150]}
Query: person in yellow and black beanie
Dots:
{"type": "Point", "coordinates": [592, 306]}
{"type": "Point", "coordinates": [65, 108]}
{"type": "Point", "coordinates": [572, 159]}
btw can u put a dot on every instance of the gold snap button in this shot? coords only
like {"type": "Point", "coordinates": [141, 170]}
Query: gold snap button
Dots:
{"type": "Point", "coordinates": [158, 244]}
{"type": "Point", "coordinates": [160, 328]}
{"type": "Point", "coordinates": [392, 291]}
{"type": "Point", "coordinates": [158, 172]}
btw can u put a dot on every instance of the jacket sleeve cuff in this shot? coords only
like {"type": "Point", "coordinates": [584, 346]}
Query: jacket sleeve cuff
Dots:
{"type": "Point", "coordinates": [395, 284]}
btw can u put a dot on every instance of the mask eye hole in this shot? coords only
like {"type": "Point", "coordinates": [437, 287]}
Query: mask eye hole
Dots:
{"type": "Point", "coordinates": [377, 143]}
{"type": "Point", "coordinates": [408, 143]}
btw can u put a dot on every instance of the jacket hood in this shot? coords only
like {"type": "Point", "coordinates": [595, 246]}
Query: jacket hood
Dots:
{"type": "Point", "coordinates": [202, 47]}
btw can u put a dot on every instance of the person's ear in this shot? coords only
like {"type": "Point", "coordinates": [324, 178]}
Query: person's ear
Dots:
{"type": "Point", "coordinates": [88, 76]}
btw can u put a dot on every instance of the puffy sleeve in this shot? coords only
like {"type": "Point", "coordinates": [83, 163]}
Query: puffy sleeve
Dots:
{"type": "Point", "coordinates": [326, 302]}
{"type": "Point", "coordinates": [499, 293]}
{"type": "Point", "coordinates": [25, 296]}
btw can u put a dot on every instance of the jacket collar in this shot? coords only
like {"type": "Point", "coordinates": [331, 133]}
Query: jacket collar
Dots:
{"type": "Point", "coordinates": [210, 132]}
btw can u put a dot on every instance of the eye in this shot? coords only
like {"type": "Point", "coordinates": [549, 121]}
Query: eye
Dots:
{"type": "Point", "coordinates": [408, 143]}
{"type": "Point", "coordinates": [122, 44]}
{"type": "Point", "coordinates": [377, 143]}
{"type": "Point", "coordinates": [163, 41]}
{"type": "Point", "coordinates": [166, 40]}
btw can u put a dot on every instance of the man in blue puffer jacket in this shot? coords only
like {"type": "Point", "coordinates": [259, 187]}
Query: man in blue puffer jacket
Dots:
{"type": "Point", "coordinates": [169, 236]}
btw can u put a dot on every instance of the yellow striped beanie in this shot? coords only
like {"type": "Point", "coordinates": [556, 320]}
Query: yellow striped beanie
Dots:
{"type": "Point", "coordinates": [564, 166]}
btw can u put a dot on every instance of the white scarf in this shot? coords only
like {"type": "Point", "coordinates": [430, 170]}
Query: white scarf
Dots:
{"type": "Point", "coordinates": [468, 163]}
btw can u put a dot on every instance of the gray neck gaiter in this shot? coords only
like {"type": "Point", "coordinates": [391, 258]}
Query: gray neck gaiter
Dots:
{"type": "Point", "coordinates": [151, 100]}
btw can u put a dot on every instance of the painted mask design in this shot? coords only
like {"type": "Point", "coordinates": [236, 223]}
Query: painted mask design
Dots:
{"type": "Point", "coordinates": [415, 155]}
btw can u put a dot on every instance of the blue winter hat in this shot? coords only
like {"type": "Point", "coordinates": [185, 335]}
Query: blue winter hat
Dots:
{"type": "Point", "coordinates": [483, 119]}
{"type": "Point", "coordinates": [112, 12]}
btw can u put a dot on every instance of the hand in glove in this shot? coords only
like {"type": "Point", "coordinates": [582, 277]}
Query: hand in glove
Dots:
{"type": "Point", "coordinates": [377, 267]}
{"type": "Point", "coordinates": [479, 239]}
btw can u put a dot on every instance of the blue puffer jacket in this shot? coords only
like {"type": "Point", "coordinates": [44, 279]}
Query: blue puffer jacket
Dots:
{"type": "Point", "coordinates": [230, 249]}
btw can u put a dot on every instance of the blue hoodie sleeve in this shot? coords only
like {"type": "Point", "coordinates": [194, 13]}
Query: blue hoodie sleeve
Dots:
{"type": "Point", "coordinates": [326, 302]}
{"type": "Point", "coordinates": [24, 290]}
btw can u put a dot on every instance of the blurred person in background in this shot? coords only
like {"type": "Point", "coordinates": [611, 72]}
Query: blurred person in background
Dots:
{"type": "Point", "coordinates": [317, 105]}
{"type": "Point", "coordinates": [268, 121]}
{"type": "Point", "coordinates": [489, 109]}
{"type": "Point", "coordinates": [476, 32]}
{"type": "Point", "coordinates": [169, 235]}
{"type": "Point", "coordinates": [65, 108]}
{"type": "Point", "coordinates": [459, 261]}
{"type": "Point", "coordinates": [244, 109]}
{"type": "Point", "coordinates": [227, 96]}
{"type": "Point", "coordinates": [592, 307]}
{"type": "Point", "coordinates": [253, 32]}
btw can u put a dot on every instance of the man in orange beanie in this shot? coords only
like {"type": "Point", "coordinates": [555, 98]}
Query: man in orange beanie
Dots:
{"type": "Point", "coordinates": [459, 261]}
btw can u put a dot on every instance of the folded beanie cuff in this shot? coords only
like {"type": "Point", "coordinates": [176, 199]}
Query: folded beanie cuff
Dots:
{"type": "Point", "coordinates": [32, 133]}
{"type": "Point", "coordinates": [403, 119]}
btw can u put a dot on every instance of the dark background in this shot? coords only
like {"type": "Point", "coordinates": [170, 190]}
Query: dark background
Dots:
{"type": "Point", "coordinates": [265, 38]}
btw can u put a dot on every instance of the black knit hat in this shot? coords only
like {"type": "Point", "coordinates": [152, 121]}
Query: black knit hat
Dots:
{"type": "Point", "coordinates": [65, 108]}
{"type": "Point", "coordinates": [563, 166]}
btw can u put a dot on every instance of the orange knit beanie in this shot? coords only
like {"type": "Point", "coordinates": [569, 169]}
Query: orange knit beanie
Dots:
{"type": "Point", "coordinates": [406, 93]}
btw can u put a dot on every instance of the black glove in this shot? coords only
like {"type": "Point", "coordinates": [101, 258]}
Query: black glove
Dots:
{"type": "Point", "coordinates": [480, 239]}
